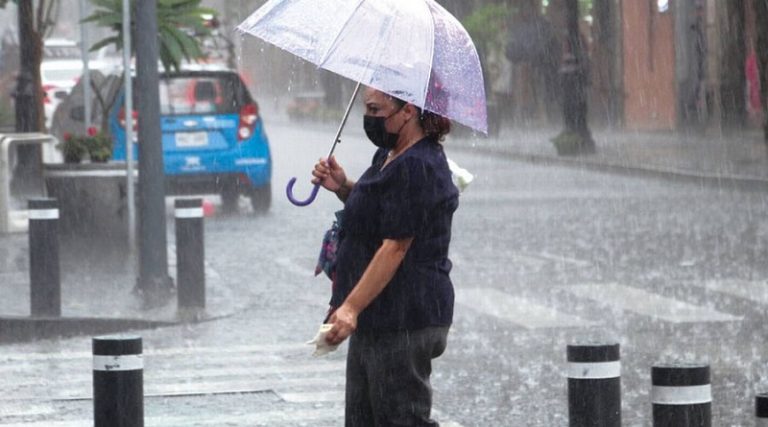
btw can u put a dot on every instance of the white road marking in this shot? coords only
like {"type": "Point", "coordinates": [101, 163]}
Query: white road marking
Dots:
{"type": "Point", "coordinates": [319, 396]}
{"type": "Point", "coordinates": [331, 416]}
{"type": "Point", "coordinates": [564, 259]}
{"type": "Point", "coordinates": [518, 310]}
{"type": "Point", "coordinates": [648, 304]}
{"type": "Point", "coordinates": [756, 291]}
{"type": "Point", "coordinates": [294, 348]}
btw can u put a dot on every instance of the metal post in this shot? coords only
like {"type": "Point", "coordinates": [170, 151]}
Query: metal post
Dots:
{"type": "Point", "coordinates": [44, 276]}
{"type": "Point", "coordinates": [86, 67]}
{"type": "Point", "coordinates": [594, 385]}
{"type": "Point", "coordinates": [128, 82]}
{"type": "Point", "coordinates": [190, 255]}
{"type": "Point", "coordinates": [153, 282]}
{"type": "Point", "coordinates": [761, 409]}
{"type": "Point", "coordinates": [681, 396]}
{"type": "Point", "coordinates": [118, 382]}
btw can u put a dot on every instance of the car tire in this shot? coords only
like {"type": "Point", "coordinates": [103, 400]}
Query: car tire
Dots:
{"type": "Point", "coordinates": [229, 198]}
{"type": "Point", "coordinates": [261, 198]}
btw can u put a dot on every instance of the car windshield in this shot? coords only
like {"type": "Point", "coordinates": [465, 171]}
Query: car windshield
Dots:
{"type": "Point", "coordinates": [198, 94]}
{"type": "Point", "coordinates": [62, 75]}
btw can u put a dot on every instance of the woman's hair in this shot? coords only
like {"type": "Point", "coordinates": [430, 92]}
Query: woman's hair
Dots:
{"type": "Point", "coordinates": [433, 124]}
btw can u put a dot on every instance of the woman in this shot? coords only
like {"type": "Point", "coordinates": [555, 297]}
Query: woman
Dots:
{"type": "Point", "coordinates": [393, 296]}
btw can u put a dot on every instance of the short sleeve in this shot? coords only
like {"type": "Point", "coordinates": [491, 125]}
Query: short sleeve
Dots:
{"type": "Point", "coordinates": [406, 199]}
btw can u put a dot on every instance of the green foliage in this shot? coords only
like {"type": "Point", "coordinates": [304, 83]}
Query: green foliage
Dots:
{"type": "Point", "coordinates": [96, 145]}
{"type": "Point", "coordinates": [181, 24]}
{"type": "Point", "coordinates": [486, 25]}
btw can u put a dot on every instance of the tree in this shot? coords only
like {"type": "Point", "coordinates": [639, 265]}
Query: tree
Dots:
{"type": "Point", "coordinates": [576, 138]}
{"type": "Point", "coordinates": [34, 25]}
{"type": "Point", "coordinates": [761, 24]}
{"type": "Point", "coordinates": [181, 25]}
{"type": "Point", "coordinates": [732, 75]}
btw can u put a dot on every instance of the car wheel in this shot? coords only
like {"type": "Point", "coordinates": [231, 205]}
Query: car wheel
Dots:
{"type": "Point", "coordinates": [261, 198]}
{"type": "Point", "coordinates": [229, 198]}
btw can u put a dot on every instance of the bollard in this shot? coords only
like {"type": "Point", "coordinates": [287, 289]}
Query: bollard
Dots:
{"type": "Point", "coordinates": [44, 274]}
{"type": "Point", "coordinates": [761, 409]}
{"type": "Point", "coordinates": [681, 395]}
{"type": "Point", "coordinates": [190, 255]}
{"type": "Point", "coordinates": [594, 385]}
{"type": "Point", "coordinates": [118, 382]}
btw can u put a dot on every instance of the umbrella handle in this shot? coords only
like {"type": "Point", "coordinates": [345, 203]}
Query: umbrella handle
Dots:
{"type": "Point", "coordinates": [289, 193]}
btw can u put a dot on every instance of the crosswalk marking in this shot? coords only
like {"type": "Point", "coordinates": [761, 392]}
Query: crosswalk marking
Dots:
{"type": "Point", "coordinates": [331, 416]}
{"type": "Point", "coordinates": [310, 391]}
{"type": "Point", "coordinates": [151, 375]}
{"type": "Point", "coordinates": [756, 291]}
{"type": "Point", "coordinates": [322, 396]}
{"type": "Point", "coordinates": [172, 351]}
{"type": "Point", "coordinates": [518, 310]}
{"type": "Point", "coordinates": [648, 304]}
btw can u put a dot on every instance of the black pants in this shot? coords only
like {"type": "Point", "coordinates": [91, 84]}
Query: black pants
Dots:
{"type": "Point", "coordinates": [388, 378]}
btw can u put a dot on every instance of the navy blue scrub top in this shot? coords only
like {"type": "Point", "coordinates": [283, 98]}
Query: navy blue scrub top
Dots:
{"type": "Point", "coordinates": [413, 196]}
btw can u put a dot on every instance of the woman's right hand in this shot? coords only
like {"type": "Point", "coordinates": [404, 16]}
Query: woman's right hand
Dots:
{"type": "Point", "coordinates": [329, 174]}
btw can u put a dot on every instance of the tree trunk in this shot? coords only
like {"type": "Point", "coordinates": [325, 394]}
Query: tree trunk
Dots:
{"type": "Point", "coordinates": [732, 75]}
{"type": "Point", "coordinates": [576, 138]}
{"type": "Point", "coordinates": [761, 26]}
{"type": "Point", "coordinates": [30, 115]}
{"type": "Point", "coordinates": [606, 94]}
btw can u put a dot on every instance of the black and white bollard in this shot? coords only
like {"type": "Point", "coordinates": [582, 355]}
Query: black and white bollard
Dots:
{"type": "Point", "coordinates": [190, 255]}
{"type": "Point", "coordinates": [681, 395]}
{"type": "Point", "coordinates": [761, 409]}
{"type": "Point", "coordinates": [594, 385]}
{"type": "Point", "coordinates": [118, 382]}
{"type": "Point", "coordinates": [44, 273]}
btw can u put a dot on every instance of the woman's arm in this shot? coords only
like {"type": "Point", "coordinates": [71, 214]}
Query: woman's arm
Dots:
{"type": "Point", "coordinates": [375, 278]}
{"type": "Point", "coordinates": [343, 192]}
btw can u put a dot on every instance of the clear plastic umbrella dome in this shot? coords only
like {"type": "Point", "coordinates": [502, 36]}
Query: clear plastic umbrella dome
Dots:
{"type": "Point", "coordinates": [414, 50]}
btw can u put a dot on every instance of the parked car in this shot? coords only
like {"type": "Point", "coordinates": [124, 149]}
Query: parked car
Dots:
{"type": "Point", "coordinates": [212, 135]}
{"type": "Point", "coordinates": [62, 68]}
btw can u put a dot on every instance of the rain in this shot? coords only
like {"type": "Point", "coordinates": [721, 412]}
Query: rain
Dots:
{"type": "Point", "coordinates": [611, 177]}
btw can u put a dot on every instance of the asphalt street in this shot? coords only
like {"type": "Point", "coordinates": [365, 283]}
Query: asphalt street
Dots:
{"type": "Point", "coordinates": [544, 256]}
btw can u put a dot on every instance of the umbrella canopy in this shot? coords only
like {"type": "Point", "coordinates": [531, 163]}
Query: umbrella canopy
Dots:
{"type": "Point", "coordinates": [411, 49]}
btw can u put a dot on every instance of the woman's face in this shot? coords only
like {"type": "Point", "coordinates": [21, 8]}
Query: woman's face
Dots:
{"type": "Point", "coordinates": [379, 104]}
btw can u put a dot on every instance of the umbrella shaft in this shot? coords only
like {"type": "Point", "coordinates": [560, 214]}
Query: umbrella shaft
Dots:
{"type": "Point", "coordinates": [336, 140]}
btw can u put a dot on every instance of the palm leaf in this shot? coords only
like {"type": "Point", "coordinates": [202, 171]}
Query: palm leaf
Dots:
{"type": "Point", "coordinates": [118, 41]}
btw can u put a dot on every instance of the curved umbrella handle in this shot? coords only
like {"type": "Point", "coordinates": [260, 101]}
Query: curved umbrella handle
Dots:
{"type": "Point", "coordinates": [289, 193]}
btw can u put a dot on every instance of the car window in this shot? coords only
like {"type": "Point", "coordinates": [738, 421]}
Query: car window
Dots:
{"type": "Point", "coordinates": [62, 74]}
{"type": "Point", "coordinates": [199, 95]}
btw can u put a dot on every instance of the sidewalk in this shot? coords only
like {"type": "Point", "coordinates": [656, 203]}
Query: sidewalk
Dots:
{"type": "Point", "coordinates": [97, 298]}
{"type": "Point", "coordinates": [739, 161]}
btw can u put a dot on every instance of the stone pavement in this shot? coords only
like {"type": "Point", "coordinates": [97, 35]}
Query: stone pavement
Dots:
{"type": "Point", "coordinates": [97, 298]}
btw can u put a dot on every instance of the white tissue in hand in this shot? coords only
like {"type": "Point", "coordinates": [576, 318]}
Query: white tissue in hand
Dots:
{"type": "Point", "coordinates": [321, 346]}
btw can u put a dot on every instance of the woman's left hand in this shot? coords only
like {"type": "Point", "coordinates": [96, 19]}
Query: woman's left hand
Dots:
{"type": "Point", "coordinates": [344, 321]}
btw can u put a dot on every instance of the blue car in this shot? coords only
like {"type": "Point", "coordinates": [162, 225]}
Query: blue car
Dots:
{"type": "Point", "coordinates": [213, 138]}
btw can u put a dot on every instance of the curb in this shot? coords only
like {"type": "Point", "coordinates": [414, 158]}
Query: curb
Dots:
{"type": "Point", "coordinates": [736, 182]}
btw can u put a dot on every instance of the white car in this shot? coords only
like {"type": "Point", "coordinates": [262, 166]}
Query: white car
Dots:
{"type": "Point", "coordinates": [62, 67]}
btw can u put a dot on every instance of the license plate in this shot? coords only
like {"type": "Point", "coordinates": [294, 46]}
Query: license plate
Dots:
{"type": "Point", "coordinates": [191, 139]}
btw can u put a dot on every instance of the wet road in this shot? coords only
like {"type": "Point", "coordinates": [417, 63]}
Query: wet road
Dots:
{"type": "Point", "coordinates": [543, 256]}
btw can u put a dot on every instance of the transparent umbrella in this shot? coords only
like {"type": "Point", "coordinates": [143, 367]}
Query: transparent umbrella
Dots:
{"type": "Point", "coordinates": [414, 50]}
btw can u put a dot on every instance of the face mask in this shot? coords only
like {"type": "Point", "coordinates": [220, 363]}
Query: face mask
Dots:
{"type": "Point", "coordinates": [376, 130]}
